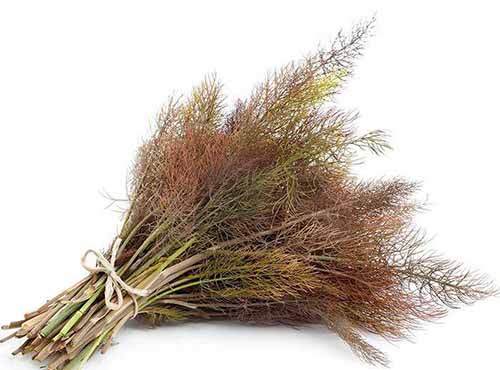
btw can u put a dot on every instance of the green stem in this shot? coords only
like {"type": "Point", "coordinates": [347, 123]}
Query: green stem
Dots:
{"type": "Point", "coordinates": [176, 254]}
{"type": "Point", "coordinates": [194, 283]}
{"type": "Point", "coordinates": [79, 361]}
{"type": "Point", "coordinates": [134, 231]}
{"type": "Point", "coordinates": [59, 318]}
{"type": "Point", "coordinates": [146, 242]}
{"type": "Point", "coordinates": [78, 315]}
{"type": "Point", "coordinates": [158, 267]}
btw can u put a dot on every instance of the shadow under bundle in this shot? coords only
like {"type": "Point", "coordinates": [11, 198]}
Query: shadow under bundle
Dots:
{"type": "Point", "coordinates": [253, 214]}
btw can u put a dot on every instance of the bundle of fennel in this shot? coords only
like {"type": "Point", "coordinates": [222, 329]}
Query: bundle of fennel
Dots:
{"type": "Point", "coordinates": [253, 214]}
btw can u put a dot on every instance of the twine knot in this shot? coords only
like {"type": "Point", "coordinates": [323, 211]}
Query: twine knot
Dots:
{"type": "Point", "coordinates": [114, 284]}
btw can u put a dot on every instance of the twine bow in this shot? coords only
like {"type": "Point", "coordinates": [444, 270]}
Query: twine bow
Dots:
{"type": "Point", "coordinates": [114, 284]}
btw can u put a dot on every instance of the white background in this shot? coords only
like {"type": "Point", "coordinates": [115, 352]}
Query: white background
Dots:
{"type": "Point", "coordinates": [80, 83]}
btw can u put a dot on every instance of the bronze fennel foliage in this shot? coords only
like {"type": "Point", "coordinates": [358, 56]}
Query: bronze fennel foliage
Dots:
{"type": "Point", "coordinates": [253, 214]}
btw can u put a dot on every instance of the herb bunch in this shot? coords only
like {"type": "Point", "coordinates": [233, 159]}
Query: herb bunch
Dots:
{"type": "Point", "coordinates": [254, 214]}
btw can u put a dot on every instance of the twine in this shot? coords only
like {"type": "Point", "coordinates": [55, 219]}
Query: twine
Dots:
{"type": "Point", "coordinates": [114, 284]}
